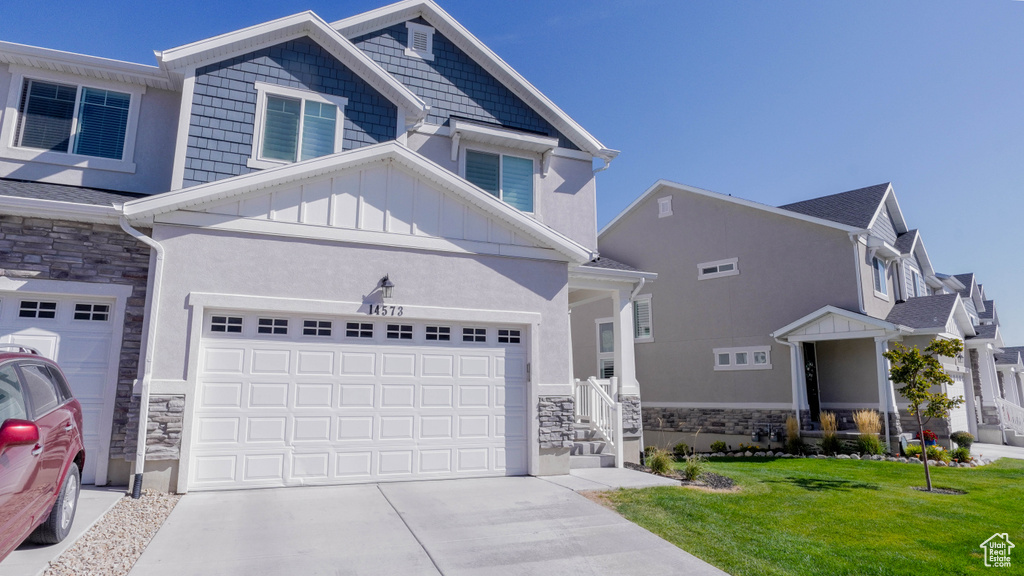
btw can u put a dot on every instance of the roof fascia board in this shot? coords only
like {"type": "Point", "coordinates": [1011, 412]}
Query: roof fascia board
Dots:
{"type": "Point", "coordinates": [663, 184]}
{"type": "Point", "coordinates": [39, 208]}
{"type": "Point", "coordinates": [238, 42]}
{"type": "Point", "coordinates": [84, 65]}
{"type": "Point", "coordinates": [145, 208]}
{"type": "Point", "coordinates": [894, 210]}
{"type": "Point", "coordinates": [482, 55]}
{"type": "Point", "coordinates": [626, 275]}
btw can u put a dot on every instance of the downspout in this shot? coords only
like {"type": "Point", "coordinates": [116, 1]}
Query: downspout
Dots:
{"type": "Point", "coordinates": [855, 238]}
{"type": "Point", "coordinates": [147, 373]}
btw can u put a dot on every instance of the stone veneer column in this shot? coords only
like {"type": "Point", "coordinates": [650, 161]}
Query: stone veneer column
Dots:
{"type": "Point", "coordinates": [557, 417]}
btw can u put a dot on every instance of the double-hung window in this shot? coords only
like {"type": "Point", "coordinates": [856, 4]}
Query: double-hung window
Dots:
{"type": "Point", "coordinates": [643, 329]}
{"type": "Point", "coordinates": [878, 271]}
{"type": "Point", "coordinates": [294, 125]}
{"type": "Point", "coordinates": [509, 178]}
{"type": "Point", "coordinates": [72, 119]}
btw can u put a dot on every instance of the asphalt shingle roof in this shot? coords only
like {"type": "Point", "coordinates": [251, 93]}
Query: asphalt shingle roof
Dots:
{"type": "Point", "coordinates": [905, 241]}
{"type": "Point", "coordinates": [990, 309]}
{"type": "Point", "coordinates": [985, 331]}
{"type": "Point", "coordinates": [967, 280]}
{"type": "Point", "coordinates": [1007, 357]}
{"type": "Point", "coordinates": [609, 264]}
{"type": "Point", "coordinates": [64, 193]}
{"type": "Point", "coordinates": [923, 312]}
{"type": "Point", "coordinates": [853, 208]}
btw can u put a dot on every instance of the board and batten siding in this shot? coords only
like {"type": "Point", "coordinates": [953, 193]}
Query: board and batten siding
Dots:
{"type": "Point", "coordinates": [224, 105]}
{"type": "Point", "coordinates": [377, 199]}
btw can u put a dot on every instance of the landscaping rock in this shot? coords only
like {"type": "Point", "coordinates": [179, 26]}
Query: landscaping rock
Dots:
{"type": "Point", "coordinates": [854, 456]}
{"type": "Point", "coordinates": [737, 454]}
{"type": "Point", "coordinates": [748, 453]}
{"type": "Point", "coordinates": [759, 454]}
{"type": "Point", "coordinates": [843, 457]}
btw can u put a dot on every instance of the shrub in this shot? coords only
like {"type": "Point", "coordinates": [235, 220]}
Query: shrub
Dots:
{"type": "Point", "coordinates": [962, 439]}
{"type": "Point", "coordinates": [681, 450]}
{"type": "Point", "coordinates": [938, 453]}
{"type": "Point", "coordinates": [913, 451]}
{"type": "Point", "coordinates": [660, 461]}
{"type": "Point", "coordinates": [870, 444]}
{"type": "Point", "coordinates": [719, 446]}
{"type": "Point", "coordinates": [961, 454]}
{"type": "Point", "coordinates": [868, 422]}
{"type": "Point", "coordinates": [693, 467]}
{"type": "Point", "coordinates": [831, 445]}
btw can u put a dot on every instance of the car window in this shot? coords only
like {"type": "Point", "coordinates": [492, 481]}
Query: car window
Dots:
{"type": "Point", "coordinates": [42, 394]}
{"type": "Point", "coordinates": [12, 399]}
{"type": "Point", "coordinates": [63, 390]}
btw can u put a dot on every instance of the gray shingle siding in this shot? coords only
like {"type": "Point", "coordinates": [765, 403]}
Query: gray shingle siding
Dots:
{"type": "Point", "coordinates": [912, 267]}
{"type": "Point", "coordinates": [224, 105]}
{"type": "Point", "coordinates": [452, 84]}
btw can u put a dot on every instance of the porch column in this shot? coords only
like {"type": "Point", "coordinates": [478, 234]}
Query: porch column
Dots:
{"type": "Point", "coordinates": [886, 394]}
{"type": "Point", "coordinates": [625, 360]}
{"type": "Point", "coordinates": [989, 378]}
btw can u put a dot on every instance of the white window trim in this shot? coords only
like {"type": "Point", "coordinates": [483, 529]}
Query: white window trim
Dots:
{"type": "Point", "coordinates": [883, 280]}
{"type": "Point", "coordinates": [664, 207]}
{"type": "Point", "coordinates": [428, 53]}
{"type": "Point", "coordinates": [734, 272]}
{"type": "Point", "coordinates": [501, 152]}
{"type": "Point", "coordinates": [262, 90]}
{"type": "Point", "coordinates": [602, 356]}
{"type": "Point", "coordinates": [750, 351]}
{"type": "Point", "coordinates": [650, 316]}
{"type": "Point", "coordinates": [10, 121]}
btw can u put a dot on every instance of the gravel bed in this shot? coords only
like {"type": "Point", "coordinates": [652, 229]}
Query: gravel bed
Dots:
{"type": "Point", "coordinates": [116, 541]}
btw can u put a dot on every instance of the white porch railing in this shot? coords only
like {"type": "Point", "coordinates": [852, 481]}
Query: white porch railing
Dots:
{"type": "Point", "coordinates": [1011, 416]}
{"type": "Point", "coordinates": [597, 404]}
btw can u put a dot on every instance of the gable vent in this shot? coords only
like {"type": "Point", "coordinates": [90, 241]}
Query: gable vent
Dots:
{"type": "Point", "coordinates": [421, 41]}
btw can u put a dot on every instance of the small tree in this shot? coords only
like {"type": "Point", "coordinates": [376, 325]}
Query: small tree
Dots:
{"type": "Point", "coordinates": [918, 372]}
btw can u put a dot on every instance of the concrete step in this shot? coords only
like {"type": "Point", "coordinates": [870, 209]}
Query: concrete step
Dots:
{"type": "Point", "coordinates": [592, 461]}
{"type": "Point", "coordinates": [1013, 439]}
{"type": "Point", "coordinates": [583, 448]}
{"type": "Point", "coordinates": [585, 434]}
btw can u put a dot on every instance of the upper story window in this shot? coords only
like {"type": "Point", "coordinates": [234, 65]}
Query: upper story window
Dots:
{"type": "Point", "coordinates": [421, 41]}
{"type": "Point", "coordinates": [664, 207]}
{"type": "Point", "coordinates": [57, 118]}
{"type": "Point", "coordinates": [718, 269]}
{"type": "Point", "coordinates": [918, 284]}
{"type": "Point", "coordinates": [293, 125]}
{"type": "Point", "coordinates": [878, 272]}
{"type": "Point", "coordinates": [509, 178]}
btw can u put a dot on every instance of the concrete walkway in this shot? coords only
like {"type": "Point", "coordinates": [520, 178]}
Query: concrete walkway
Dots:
{"type": "Point", "coordinates": [994, 451]}
{"type": "Point", "coordinates": [582, 479]}
{"type": "Point", "coordinates": [488, 526]}
{"type": "Point", "coordinates": [32, 559]}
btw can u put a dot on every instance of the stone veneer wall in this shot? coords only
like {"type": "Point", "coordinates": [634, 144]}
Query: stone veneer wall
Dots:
{"type": "Point", "coordinates": [557, 417]}
{"type": "Point", "coordinates": [163, 431]}
{"type": "Point", "coordinates": [845, 423]}
{"type": "Point", "coordinates": [710, 420]}
{"type": "Point", "coordinates": [632, 418]}
{"type": "Point", "coordinates": [36, 248]}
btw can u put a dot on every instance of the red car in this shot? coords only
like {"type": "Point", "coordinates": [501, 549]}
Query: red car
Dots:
{"type": "Point", "coordinates": [41, 450]}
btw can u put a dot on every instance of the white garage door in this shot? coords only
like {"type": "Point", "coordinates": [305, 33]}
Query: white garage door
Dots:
{"type": "Point", "coordinates": [290, 400]}
{"type": "Point", "coordinates": [77, 332]}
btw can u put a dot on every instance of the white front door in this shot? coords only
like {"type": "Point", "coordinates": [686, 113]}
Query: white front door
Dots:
{"type": "Point", "coordinates": [77, 332]}
{"type": "Point", "coordinates": [288, 400]}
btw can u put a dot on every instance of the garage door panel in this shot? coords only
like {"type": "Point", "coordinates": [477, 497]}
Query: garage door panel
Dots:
{"type": "Point", "coordinates": [348, 410]}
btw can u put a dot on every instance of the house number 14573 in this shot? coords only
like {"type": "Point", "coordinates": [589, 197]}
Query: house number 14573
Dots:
{"type": "Point", "coordinates": [384, 310]}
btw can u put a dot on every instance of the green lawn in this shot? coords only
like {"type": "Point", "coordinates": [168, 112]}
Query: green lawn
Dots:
{"type": "Point", "coordinates": [834, 517]}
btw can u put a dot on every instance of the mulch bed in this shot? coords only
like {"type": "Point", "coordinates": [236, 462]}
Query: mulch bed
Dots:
{"type": "Point", "coordinates": [708, 480]}
{"type": "Point", "coordinates": [937, 490]}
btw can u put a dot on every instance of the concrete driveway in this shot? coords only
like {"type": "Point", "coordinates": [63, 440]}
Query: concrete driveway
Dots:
{"type": "Point", "coordinates": [454, 527]}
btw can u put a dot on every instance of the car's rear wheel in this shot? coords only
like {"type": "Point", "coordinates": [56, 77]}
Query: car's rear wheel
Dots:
{"type": "Point", "coordinates": [62, 516]}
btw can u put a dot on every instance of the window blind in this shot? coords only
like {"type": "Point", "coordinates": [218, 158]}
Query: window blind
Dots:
{"type": "Point", "coordinates": [281, 129]}
{"type": "Point", "coordinates": [102, 121]}
{"type": "Point", "coordinates": [47, 115]}
{"type": "Point", "coordinates": [482, 170]}
{"type": "Point", "coordinates": [517, 182]}
{"type": "Point", "coordinates": [318, 128]}
{"type": "Point", "coordinates": [641, 318]}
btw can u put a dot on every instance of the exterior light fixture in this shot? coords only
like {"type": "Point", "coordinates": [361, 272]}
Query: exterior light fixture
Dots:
{"type": "Point", "coordinates": [387, 287]}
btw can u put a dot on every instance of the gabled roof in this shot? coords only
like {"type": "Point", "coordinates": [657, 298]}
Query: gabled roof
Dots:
{"type": "Point", "coordinates": [905, 242]}
{"type": "Point", "coordinates": [1008, 357]}
{"type": "Point", "coordinates": [986, 332]}
{"type": "Point", "coordinates": [857, 208]}
{"type": "Point", "coordinates": [968, 281]}
{"type": "Point", "coordinates": [990, 310]}
{"type": "Point", "coordinates": [662, 185]}
{"type": "Point", "coordinates": [145, 209]}
{"type": "Point", "coordinates": [307, 23]}
{"type": "Point", "coordinates": [64, 193]}
{"type": "Point", "coordinates": [609, 264]}
{"type": "Point", "coordinates": [410, 9]}
{"type": "Point", "coordinates": [930, 312]}
{"type": "Point", "coordinates": [854, 318]}
{"type": "Point", "coordinates": [88, 66]}
{"type": "Point", "coordinates": [58, 201]}
{"type": "Point", "coordinates": [1019, 350]}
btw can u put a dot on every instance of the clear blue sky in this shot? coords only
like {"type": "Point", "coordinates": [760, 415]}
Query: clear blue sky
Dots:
{"type": "Point", "coordinates": [775, 101]}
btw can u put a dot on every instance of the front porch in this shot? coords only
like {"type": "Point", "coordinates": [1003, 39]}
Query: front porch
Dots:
{"type": "Point", "coordinates": [603, 316]}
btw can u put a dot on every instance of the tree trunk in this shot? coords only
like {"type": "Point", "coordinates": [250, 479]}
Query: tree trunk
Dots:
{"type": "Point", "coordinates": [924, 449]}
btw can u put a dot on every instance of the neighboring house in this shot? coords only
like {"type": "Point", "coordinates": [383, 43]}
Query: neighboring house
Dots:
{"type": "Point", "coordinates": [762, 312]}
{"type": "Point", "coordinates": [306, 253]}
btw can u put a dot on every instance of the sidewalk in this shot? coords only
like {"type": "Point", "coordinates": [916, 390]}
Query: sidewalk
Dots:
{"type": "Point", "coordinates": [582, 479]}
{"type": "Point", "coordinates": [993, 451]}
